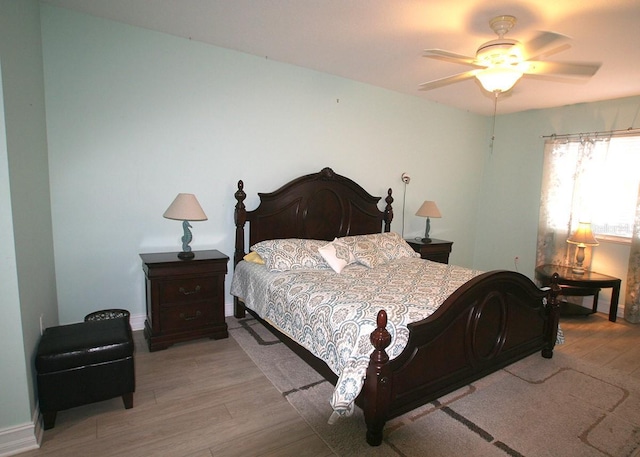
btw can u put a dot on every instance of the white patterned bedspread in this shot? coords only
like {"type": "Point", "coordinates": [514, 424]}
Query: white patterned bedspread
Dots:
{"type": "Point", "coordinates": [332, 315]}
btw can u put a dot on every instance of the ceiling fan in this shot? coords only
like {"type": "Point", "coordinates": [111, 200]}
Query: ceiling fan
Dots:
{"type": "Point", "coordinates": [500, 63]}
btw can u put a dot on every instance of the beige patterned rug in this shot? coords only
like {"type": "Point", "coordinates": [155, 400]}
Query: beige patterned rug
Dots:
{"type": "Point", "coordinates": [536, 407]}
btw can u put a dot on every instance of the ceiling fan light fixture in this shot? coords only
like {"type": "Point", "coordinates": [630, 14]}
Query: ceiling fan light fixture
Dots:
{"type": "Point", "coordinates": [498, 78]}
{"type": "Point", "coordinates": [502, 51]}
{"type": "Point", "coordinates": [500, 63]}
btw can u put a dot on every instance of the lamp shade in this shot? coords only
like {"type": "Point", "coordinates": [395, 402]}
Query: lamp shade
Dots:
{"type": "Point", "coordinates": [498, 78]}
{"type": "Point", "coordinates": [185, 207]}
{"type": "Point", "coordinates": [583, 235]}
{"type": "Point", "coordinates": [428, 209]}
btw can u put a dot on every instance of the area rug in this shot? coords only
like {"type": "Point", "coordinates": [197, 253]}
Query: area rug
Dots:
{"type": "Point", "coordinates": [560, 407]}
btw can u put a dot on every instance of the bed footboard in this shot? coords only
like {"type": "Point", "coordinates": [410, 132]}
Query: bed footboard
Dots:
{"type": "Point", "coordinates": [492, 321]}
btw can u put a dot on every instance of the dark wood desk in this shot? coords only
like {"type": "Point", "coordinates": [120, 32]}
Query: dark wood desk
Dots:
{"type": "Point", "coordinates": [590, 280]}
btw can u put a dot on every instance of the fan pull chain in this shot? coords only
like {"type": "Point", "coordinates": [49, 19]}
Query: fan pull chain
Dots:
{"type": "Point", "coordinates": [493, 127]}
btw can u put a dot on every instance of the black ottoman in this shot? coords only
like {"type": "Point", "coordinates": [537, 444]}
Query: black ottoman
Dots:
{"type": "Point", "coordinates": [84, 363]}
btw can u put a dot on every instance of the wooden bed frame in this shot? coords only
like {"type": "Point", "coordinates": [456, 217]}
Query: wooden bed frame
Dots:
{"type": "Point", "coordinates": [490, 322]}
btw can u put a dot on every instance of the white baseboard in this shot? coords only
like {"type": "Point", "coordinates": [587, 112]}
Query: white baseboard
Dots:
{"type": "Point", "coordinates": [137, 321]}
{"type": "Point", "coordinates": [22, 438]}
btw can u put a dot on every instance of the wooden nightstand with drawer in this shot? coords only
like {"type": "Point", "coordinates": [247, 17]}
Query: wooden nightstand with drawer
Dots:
{"type": "Point", "coordinates": [436, 250]}
{"type": "Point", "coordinates": [185, 298]}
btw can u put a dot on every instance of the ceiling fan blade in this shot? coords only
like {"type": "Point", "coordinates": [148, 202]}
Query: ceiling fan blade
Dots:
{"type": "Point", "coordinates": [448, 80]}
{"type": "Point", "coordinates": [452, 57]}
{"type": "Point", "coordinates": [544, 41]}
{"type": "Point", "coordinates": [560, 68]}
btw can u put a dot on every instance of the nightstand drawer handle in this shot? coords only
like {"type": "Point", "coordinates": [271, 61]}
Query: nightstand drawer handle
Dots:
{"type": "Point", "coordinates": [189, 292]}
{"type": "Point", "coordinates": [190, 318]}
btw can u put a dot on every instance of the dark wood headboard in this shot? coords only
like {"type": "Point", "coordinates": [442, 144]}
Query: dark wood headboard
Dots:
{"type": "Point", "coordinates": [319, 206]}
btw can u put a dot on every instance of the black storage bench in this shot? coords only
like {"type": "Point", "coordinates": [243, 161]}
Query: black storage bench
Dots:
{"type": "Point", "coordinates": [84, 363]}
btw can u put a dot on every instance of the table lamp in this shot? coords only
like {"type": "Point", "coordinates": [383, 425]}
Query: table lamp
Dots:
{"type": "Point", "coordinates": [582, 238]}
{"type": "Point", "coordinates": [185, 208]}
{"type": "Point", "coordinates": [428, 209]}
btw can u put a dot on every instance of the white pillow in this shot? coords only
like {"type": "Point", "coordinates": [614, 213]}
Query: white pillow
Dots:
{"type": "Point", "coordinates": [337, 254]}
{"type": "Point", "coordinates": [378, 248]}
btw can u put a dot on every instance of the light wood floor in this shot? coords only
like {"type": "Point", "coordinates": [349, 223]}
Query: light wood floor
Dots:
{"type": "Point", "coordinates": [207, 398]}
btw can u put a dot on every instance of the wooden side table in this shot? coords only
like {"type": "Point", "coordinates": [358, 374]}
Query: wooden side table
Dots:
{"type": "Point", "coordinates": [185, 298]}
{"type": "Point", "coordinates": [585, 284]}
{"type": "Point", "coordinates": [436, 250]}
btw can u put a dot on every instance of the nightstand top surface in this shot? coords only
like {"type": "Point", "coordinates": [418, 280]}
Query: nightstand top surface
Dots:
{"type": "Point", "coordinates": [170, 257]}
{"type": "Point", "coordinates": [433, 241]}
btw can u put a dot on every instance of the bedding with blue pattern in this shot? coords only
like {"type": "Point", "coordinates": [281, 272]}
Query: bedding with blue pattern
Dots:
{"type": "Point", "coordinates": [332, 314]}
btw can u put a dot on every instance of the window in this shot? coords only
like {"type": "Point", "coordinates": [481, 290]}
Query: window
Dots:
{"type": "Point", "coordinates": [617, 182]}
{"type": "Point", "coordinates": [599, 181]}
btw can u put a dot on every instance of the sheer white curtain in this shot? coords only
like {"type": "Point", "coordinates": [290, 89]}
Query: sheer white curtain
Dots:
{"type": "Point", "coordinates": [632, 297]}
{"type": "Point", "coordinates": [568, 193]}
{"type": "Point", "coordinates": [568, 187]}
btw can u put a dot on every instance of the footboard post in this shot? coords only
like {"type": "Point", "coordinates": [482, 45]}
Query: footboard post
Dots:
{"type": "Point", "coordinates": [377, 386]}
{"type": "Point", "coordinates": [553, 317]}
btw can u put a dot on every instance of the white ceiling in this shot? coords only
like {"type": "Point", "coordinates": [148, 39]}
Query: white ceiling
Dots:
{"type": "Point", "coordinates": [380, 42]}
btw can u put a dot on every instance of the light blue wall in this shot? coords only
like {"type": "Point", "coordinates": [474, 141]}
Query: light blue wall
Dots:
{"type": "Point", "coordinates": [135, 117]}
{"type": "Point", "coordinates": [26, 246]}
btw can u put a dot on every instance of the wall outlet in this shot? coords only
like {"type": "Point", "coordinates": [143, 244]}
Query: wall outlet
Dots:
{"type": "Point", "coordinates": [405, 178]}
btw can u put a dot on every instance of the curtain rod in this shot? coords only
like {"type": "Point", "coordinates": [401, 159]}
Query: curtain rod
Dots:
{"type": "Point", "coordinates": [628, 131]}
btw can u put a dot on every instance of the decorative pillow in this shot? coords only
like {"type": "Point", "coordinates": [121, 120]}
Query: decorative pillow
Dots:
{"type": "Point", "coordinates": [254, 257]}
{"type": "Point", "coordinates": [337, 254]}
{"type": "Point", "coordinates": [291, 254]}
{"type": "Point", "coordinates": [378, 248]}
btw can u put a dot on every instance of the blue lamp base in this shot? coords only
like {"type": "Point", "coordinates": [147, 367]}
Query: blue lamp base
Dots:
{"type": "Point", "coordinates": [186, 239]}
{"type": "Point", "coordinates": [426, 238]}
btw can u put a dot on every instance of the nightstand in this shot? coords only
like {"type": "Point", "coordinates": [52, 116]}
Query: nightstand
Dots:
{"type": "Point", "coordinates": [436, 250]}
{"type": "Point", "coordinates": [185, 298]}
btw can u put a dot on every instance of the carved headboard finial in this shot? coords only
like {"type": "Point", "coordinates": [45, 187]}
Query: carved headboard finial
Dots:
{"type": "Point", "coordinates": [240, 195]}
{"type": "Point", "coordinates": [327, 173]}
{"type": "Point", "coordinates": [388, 211]}
{"type": "Point", "coordinates": [240, 213]}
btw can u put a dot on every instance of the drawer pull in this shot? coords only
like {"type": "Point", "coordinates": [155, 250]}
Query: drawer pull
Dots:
{"type": "Point", "coordinates": [189, 292]}
{"type": "Point", "coordinates": [190, 318]}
